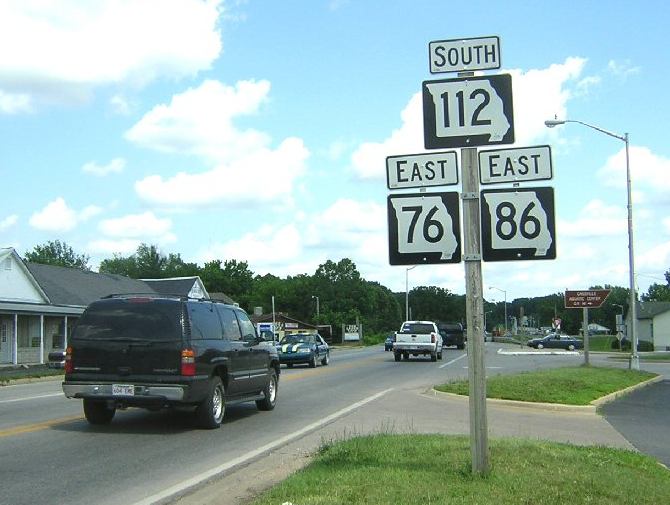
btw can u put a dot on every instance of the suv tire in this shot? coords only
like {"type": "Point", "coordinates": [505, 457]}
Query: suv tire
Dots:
{"type": "Point", "coordinates": [212, 409]}
{"type": "Point", "coordinates": [98, 412]}
{"type": "Point", "coordinates": [270, 392]}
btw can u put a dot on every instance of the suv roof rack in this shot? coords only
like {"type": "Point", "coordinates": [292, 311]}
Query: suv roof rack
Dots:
{"type": "Point", "coordinates": [152, 295]}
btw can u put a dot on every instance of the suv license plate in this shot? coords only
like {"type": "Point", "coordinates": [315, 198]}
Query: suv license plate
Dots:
{"type": "Point", "coordinates": [123, 390]}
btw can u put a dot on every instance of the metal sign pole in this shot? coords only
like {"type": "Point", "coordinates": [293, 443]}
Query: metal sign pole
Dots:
{"type": "Point", "coordinates": [585, 330]}
{"type": "Point", "coordinates": [474, 310]}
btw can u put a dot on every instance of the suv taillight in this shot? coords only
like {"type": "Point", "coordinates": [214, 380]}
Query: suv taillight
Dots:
{"type": "Point", "coordinates": [187, 362]}
{"type": "Point", "coordinates": [69, 366]}
{"type": "Point", "coordinates": [432, 338]}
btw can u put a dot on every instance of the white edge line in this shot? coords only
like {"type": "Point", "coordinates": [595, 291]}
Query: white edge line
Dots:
{"type": "Point", "coordinates": [31, 398]}
{"type": "Point", "coordinates": [453, 361]}
{"type": "Point", "coordinates": [255, 453]}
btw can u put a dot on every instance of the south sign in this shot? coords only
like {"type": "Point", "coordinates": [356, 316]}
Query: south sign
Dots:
{"type": "Point", "coordinates": [421, 170]}
{"type": "Point", "coordinates": [515, 165]}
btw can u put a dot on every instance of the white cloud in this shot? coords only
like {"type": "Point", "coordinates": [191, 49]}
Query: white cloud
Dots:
{"type": "Point", "coordinates": [200, 121]}
{"type": "Point", "coordinates": [648, 170]}
{"type": "Point", "coordinates": [61, 49]}
{"type": "Point", "coordinates": [8, 222]}
{"type": "Point", "coordinates": [124, 247]}
{"type": "Point", "coordinates": [144, 226]}
{"type": "Point", "coordinates": [56, 216]}
{"type": "Point", "coordinates": [14, 103]}
{"type": "Point", "coordinates": [595, 219]}
{"type": "Point", "coordinates": [538, 95]}
{"type": "Point", "coordinates": [622, 69]}
{"type": "Point", "coordinates": [115, 166]}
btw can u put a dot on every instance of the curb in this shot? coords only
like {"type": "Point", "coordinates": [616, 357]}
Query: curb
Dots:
{"type": "Point", "coordinates": [585, 409]}
{"type": "Point", "coordinates": [613, 396]}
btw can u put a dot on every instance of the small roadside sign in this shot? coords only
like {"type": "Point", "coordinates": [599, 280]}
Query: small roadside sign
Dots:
{"type": "Point", "coordinates": [424, 228]}
{"type": "Point", "coordinates": [515, 165]}
{"type": "Point", "coordinates": [468, 112]}
{"type": "Point", "coordinates": [590, 299]}
{"type": "Point", "coordinates": [421, 170]}
{"type": "Point", "coordinates": [464, 55]}
{"type": "Point", "coordinates": [518, 224]}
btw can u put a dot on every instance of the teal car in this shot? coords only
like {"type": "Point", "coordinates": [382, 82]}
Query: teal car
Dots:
{"type": "Point", "coordinates": [301, 348]}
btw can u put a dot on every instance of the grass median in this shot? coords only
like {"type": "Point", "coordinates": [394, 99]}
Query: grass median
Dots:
{"type": "Point", "coordinates": [570, 385]}
{"type": "Point", "coordinates": [435, 469]}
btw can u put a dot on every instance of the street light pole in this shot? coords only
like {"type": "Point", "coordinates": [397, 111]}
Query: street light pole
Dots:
{"type": "Point", "coordinates": [504, 293]}
{"type": "Point", "coordinates": [634, 359]}
{"type": "Point", "coordinates": [407, 291]}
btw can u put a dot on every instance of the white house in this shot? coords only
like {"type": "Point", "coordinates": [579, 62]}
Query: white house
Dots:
{"type": "Point", "coordinates": [653, 324]}
{"type": "Point", "coordinates": [39, 304]}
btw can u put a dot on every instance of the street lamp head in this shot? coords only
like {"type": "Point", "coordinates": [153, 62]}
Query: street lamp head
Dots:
{"type": "Point", "coordinates": [550, 123]}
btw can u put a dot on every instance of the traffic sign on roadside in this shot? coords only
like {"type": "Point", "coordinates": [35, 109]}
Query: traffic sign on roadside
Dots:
{"type": "Point", "coordinates": [458, 55]}
{"type": "Point", "coordinates": [590, 299]}
{"type": "Point", "coordinates": [424, 228]}
{"type": "Point", "coordinates": [515, 165]}
{"type": "Point", "coordinates": [421, 170]}
{"type": "Point", "coordinates": [518, 224]}
{"type": "Point", "coordinates": [468, 112]}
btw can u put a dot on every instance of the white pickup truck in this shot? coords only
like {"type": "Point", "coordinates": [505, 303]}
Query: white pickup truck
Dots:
{"type": "Point", "coordinates": [418, 337]}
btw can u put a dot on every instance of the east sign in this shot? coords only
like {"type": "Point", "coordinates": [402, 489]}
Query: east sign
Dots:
{"type": "Point", "coordinates": [515, 165]}
{"type": "Point", "coordinates": [421, 170]}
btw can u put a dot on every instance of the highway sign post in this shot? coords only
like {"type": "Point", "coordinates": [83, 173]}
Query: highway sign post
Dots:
{"type": "Point", "coordinates": [585, 299]}
{"type": "Point", "coordinates": [424, 228]}
{"type": "Point", "coordinates": [468, 112]}
{"type": "Point", "coordinates": [518, 224]}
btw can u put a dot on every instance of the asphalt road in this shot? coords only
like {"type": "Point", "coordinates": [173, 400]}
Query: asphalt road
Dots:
{"type": "Point", "coordinates": [642, 417]}
{"type": "Point", "coordinates": [50, 454]}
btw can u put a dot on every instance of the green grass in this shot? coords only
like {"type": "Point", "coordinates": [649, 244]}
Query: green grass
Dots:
{"type": "Point", "coordinates": [570, 385]}
{"type": "Point", "coordinates": [660, 357]}
{"type": "Point", "coordinates": [8, 375]}
{"type": "Point", "coordinates": [435, 469]}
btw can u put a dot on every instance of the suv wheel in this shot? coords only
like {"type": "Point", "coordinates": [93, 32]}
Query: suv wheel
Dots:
{"type": "Point", "coordinates": [98, 412]}
{"type": "Point", "coordinates": [397, 356]}
{"type": "Point", "coordinates": [270, 392]}
{"type": "Point", "coordinates": [212, 409]}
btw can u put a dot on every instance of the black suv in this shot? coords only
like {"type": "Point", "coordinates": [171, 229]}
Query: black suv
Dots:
{"type": "Point", "coordinates": [160, 351]}
{"type": "Point", "coordinates": [452, 334]}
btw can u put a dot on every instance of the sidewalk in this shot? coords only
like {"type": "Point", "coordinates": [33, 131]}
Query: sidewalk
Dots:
{"type": "Point", "coordinates": [406, 411]}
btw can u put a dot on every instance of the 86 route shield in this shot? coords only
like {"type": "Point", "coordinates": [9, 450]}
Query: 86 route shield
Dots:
{"type": "Point", "coordinates": [424, 228]}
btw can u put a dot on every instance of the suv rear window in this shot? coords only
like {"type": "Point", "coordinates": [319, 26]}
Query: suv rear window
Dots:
{"type": "Point", "coordinates": [450, 327]}
{"type": "Point", "coordinates": [417, 328]}
{"type": "Point", "coordinates": [131, 319]}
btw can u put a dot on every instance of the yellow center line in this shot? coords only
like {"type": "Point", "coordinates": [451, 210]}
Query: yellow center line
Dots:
{"type": "Point", "coordinates": [29, 428]}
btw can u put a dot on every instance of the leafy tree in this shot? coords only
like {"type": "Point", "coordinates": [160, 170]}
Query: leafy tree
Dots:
{"type": "Point", "coordinates": [57, 253]}
{"type": "Point", "coordinates": [231, 277]}
{"type": "Point", "coordinates": [658, 292]}
{"type": "Point", "coordinates": [149, 263]}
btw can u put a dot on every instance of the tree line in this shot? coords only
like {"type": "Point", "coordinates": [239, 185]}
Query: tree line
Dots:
{"type": "Point", "coordinates": [344, 296]}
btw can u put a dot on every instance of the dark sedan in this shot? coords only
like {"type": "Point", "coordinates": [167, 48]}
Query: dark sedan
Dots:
{"type": "Point", "coordinates": [307, 348]}
{"type": "Point", "coordinates": [556, 341]}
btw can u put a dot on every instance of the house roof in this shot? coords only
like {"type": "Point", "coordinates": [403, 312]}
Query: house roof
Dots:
{"type": "Point", "coordinates": [174, 286]}
{"type": "Point", "coordinates": [648, 310]}
{"type": "Point", "coordinates": [73, 286]}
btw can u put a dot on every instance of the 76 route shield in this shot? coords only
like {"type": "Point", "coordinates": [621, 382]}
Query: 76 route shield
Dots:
{"type": "Point", "coordinates": [424, 228]}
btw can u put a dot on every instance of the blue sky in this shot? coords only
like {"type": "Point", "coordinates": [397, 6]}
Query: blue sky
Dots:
{"type": "Point", "coordinates": [258, 130]}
